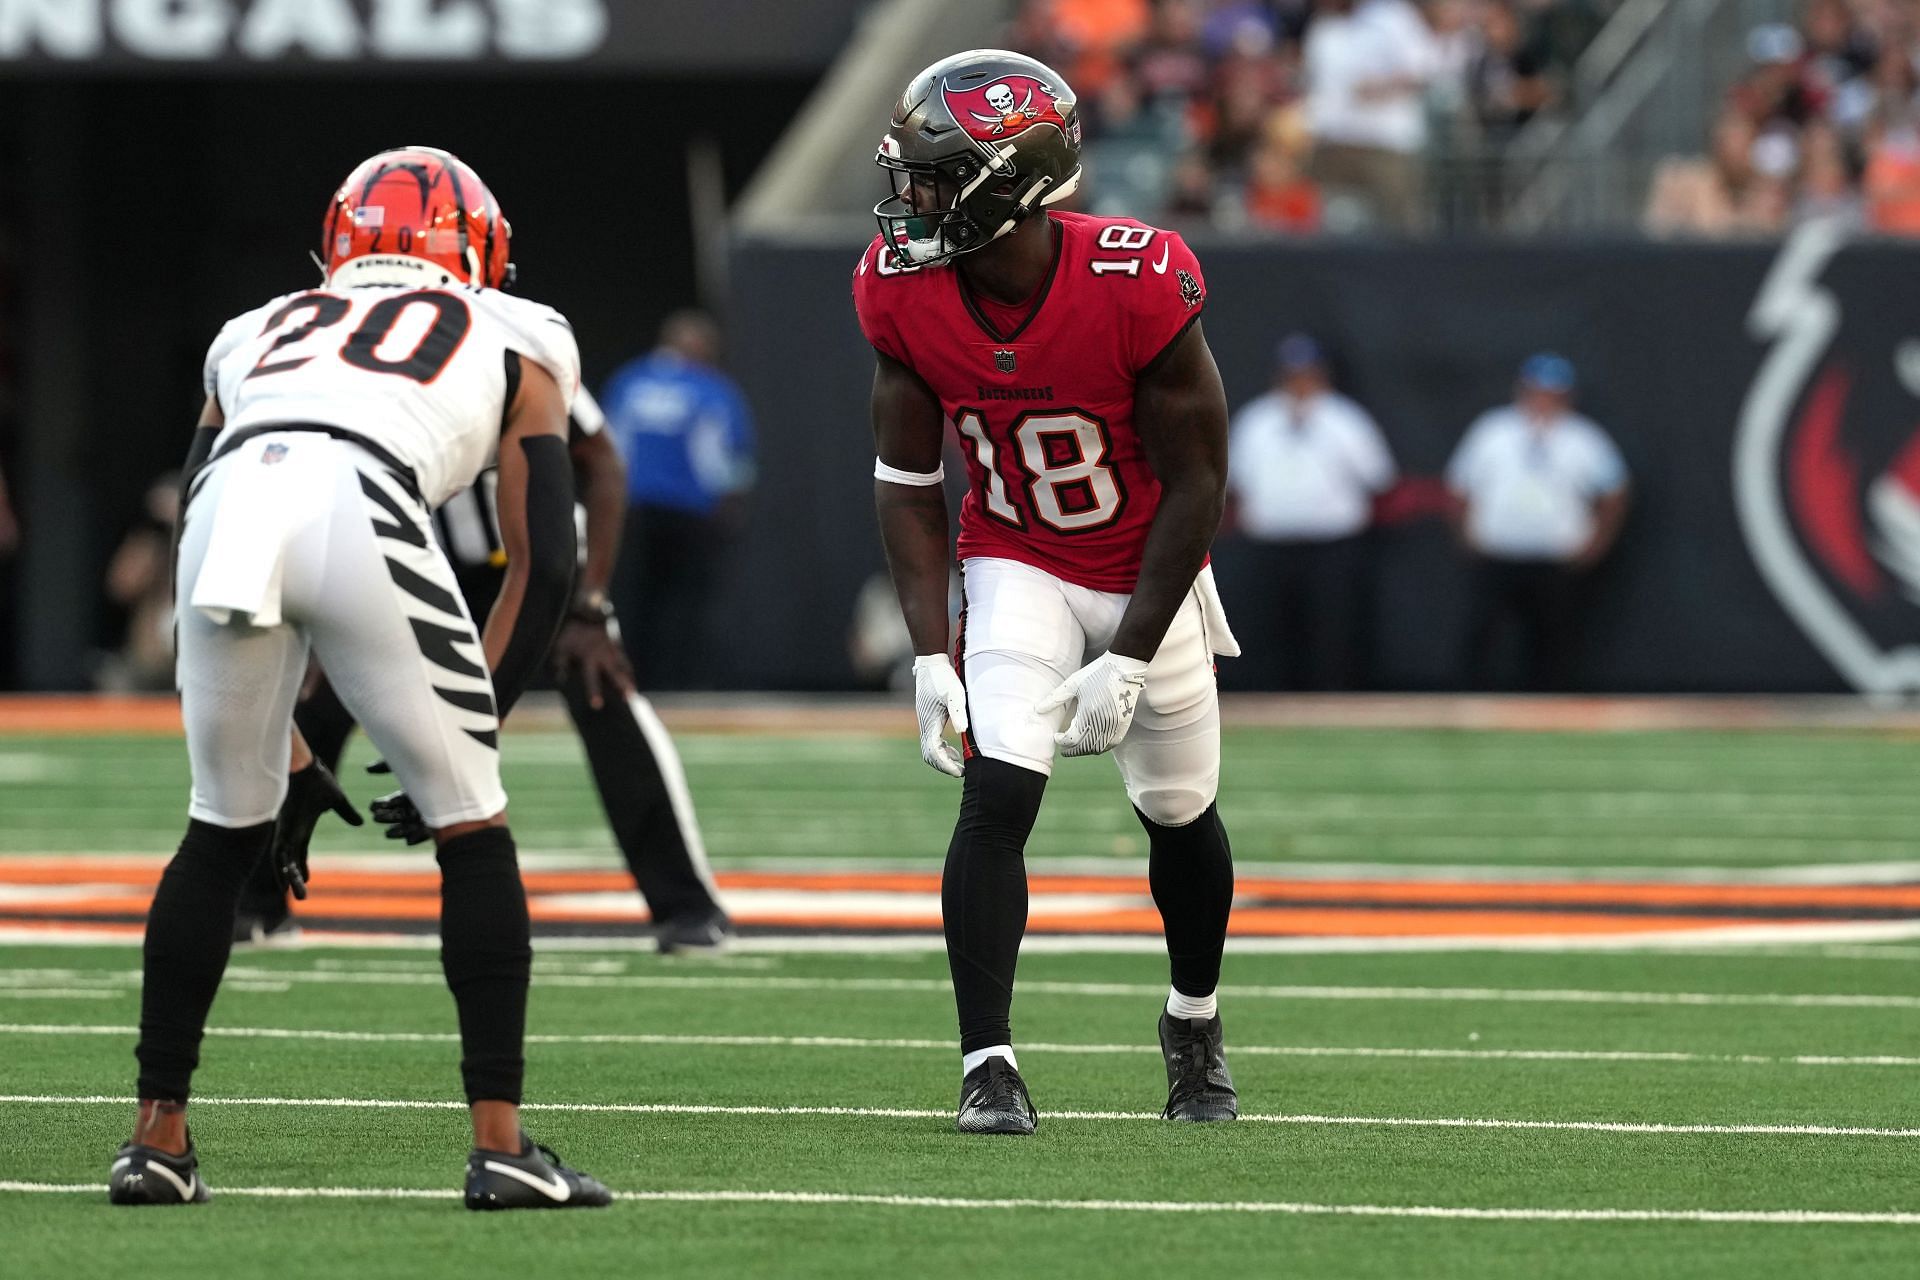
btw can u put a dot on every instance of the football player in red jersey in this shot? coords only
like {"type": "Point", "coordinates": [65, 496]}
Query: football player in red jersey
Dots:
{"type": "Point", "coordinates": [1067, 351]}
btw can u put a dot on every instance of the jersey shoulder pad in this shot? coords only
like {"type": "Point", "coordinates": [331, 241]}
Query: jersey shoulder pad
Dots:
{"type": "Point", "coordinates": [1148, 277]}
{"type": "Point", "coordinates": [248, 324]}
{"type": "Point", "coordinates": [539, 333]}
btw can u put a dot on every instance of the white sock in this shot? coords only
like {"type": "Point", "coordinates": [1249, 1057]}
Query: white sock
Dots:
{"type": "Point", "coordinates": [971, 1061]}
{"type": "Point", "coordinates": [1198, 1008]}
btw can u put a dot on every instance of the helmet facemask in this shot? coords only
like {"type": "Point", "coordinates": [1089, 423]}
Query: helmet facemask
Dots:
{"type": "Point", "coordinates": [989, 199]}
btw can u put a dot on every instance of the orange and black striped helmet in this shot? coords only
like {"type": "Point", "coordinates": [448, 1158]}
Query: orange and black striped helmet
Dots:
{"type": "Point", "coordinates": [417, 203]}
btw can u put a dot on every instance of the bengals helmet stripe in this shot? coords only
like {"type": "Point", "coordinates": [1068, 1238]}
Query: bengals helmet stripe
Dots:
{"type": "Point", "coordinates": [418, 203]}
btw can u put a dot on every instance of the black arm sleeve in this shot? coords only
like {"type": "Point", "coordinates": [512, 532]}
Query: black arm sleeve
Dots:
{"type": "Point", "coordinates": [551, 553]}
{"type": "Point", "coordinates": [197, 452]}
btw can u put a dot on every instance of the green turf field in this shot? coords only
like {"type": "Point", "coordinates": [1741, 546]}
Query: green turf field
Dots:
{"type": "Point", "coordinates": [1743, 1111]}
{"type": "Point", "coordinates": [1373, 796]}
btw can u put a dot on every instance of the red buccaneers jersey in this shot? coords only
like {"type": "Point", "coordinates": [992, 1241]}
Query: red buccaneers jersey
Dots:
{"type": "Point", "coordinates": [1042, 394]}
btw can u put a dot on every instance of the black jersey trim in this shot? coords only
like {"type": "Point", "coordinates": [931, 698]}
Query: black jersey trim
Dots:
{"type": "Point", "coordinates": [1160, 357]}
{"type": "Point", "coordinates": [512, 359]}
{"type": "Point", "coordinates": [1039, 298]}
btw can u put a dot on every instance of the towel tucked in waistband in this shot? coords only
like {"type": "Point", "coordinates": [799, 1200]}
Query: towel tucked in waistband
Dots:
{"type": "Point", "coordinates": [276, 487]}
{"type": "Point", "coordinates": [1213, 616]}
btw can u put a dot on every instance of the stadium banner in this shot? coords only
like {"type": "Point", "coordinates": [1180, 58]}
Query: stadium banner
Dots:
{"type": "Point", "coordinates": [1766, 397]}
{"type": "Point", "coordinates": [163, 37]}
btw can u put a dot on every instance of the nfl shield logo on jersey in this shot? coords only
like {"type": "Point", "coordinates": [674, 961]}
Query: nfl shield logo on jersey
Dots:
{"type": "Point", "coordinates": [1003, 360]}
{"type": "Point", "coordinates": [272, 453]}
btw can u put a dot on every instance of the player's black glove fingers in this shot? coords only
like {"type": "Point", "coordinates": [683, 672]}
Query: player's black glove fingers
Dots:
{"type": "Point", "coordinates": [405, 822]}
{"type": "Point", "coordinates": [311, 793]}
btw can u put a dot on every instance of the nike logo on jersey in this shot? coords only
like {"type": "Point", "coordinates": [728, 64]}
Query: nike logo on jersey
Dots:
{"type": "Point", "coordinates": [557, 1191]}
{"type": "Point", "coordinates": [1160, 267]}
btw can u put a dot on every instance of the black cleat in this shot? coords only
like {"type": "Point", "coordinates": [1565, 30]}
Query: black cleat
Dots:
{"type": "Point", "coordinates": [699, 934]}
{"type": "Point", "coordinates": [534, 1179]}
{"type": "Point", "coordinates": [993, 1099]}
{"type": "Point", "coordinates": [144, 1175]}
{"type": "Point", "coordinates": [1199, 1087]}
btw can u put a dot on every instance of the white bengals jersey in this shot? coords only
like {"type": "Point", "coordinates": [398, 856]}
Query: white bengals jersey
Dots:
{"type": "Point", "coordinates": [421, 373]}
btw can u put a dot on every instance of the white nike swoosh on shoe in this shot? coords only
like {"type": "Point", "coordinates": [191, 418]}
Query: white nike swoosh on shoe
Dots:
{"type": "Point", "coordinates": [557, 1191]}
{"type": "Point", "coordinates": [1160, 267]}
{"type": "Point", "coordinates": [184, 1188]}
{"type": "Point", "coordinates": [120, 1164]}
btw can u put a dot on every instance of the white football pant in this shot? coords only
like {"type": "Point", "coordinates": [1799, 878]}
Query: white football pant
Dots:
{"type": "Point", "coordinates": [298, 540]}
{"type": "Point", "coordinates": [1023, 631]}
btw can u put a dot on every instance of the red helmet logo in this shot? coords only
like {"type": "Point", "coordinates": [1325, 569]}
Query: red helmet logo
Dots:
{"type": "Point", "coordinates": [419, 202]}
{"type": "Point", "coordinates": [1005, 108]}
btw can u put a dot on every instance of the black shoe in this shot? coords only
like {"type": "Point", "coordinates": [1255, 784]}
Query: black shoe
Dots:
{"type": "Point", "coordinates": [534, 1179]}
{"type": "Point", "coordinates": [262, 924]}
{"type": "Point", "coordinates": [993, 1099]}
{"type": "Point", "coordinates": [143, 1175]}
{"type": "Point", "coordinates": [1199, 1086]}
{"type": "Point", "coordinates": [704, 934]}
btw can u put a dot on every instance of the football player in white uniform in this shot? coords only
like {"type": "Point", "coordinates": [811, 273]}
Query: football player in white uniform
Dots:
{"type": "Point", "coordinates": [636, 769]}
{"type": "Point", "coordinates": [335, 420]}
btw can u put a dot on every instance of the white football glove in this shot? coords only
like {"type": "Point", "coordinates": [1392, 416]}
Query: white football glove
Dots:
{"type": "Point", "coordinates": [1107, 690]}
{"type": "Point", "coordinates": [938, 696]}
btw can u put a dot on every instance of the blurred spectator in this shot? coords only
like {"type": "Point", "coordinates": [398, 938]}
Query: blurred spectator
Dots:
{"type": "Point", "coordinates": [1777, 89]}
{"type": "Point", "coordinates": [1368, 63]}
{"type": "Point", "coordinates": [1724, 193]}
{"type": "Point", "coordinates": [1824, 123]}
{"type": "Point", "coordinates": [1306, 464]}
{"type": "Point", "coordinates": [1240, 112]}
{"type": "Point", "coordinates": [1280, 196]}
{"type": "Point", "coordinates": [687, 436]}
{"type": "Point", "coordinates": [1829, 183]}
{"type": "Point", "coordinates": [140, 581]}
{"type": "Point", "coordinates": [1506, 80]}
{"type": "Point", "coordinates": [1540, 496]}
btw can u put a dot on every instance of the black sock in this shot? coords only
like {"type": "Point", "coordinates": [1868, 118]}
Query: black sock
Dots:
{"type": "Point", "coordinates": [189, 933]}
{"type": "Point", "coordinates": [486, 951]}
{"type": "Point", "coordinates": [983, 895]}
{"type": "Point", "coordinates": [1190, 869]}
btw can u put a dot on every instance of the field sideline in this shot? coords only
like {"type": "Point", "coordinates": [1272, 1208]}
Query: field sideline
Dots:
{"type": "Point", "coordinates": [1555, 1002]}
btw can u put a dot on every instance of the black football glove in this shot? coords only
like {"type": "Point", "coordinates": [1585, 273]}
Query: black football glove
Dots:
{"type": "Point", "coordinates": [311, 793]}
{"type": "Point", "coordinates": [404, 821]}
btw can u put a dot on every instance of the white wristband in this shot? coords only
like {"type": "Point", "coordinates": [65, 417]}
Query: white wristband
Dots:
{"type": "Point", "coordinates": [920, 479]}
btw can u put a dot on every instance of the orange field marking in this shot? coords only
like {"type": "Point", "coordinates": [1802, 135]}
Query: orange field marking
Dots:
{"type": "Point", "coordinates": [1268, 907]}
{"type": "Point", "coordinates": [90, 713]}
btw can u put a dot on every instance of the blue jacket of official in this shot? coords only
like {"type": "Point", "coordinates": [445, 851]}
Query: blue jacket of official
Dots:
{"type": "Point", "coordinates": [684, 429]}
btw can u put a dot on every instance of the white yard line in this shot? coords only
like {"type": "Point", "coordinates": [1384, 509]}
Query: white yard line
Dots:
{"type": "Point", "coordinates": [946, 1046]}
{"type": "Point", "coordinates": [917, 1113]}
{"type": "Point", "coordinates": [1770, 1217]}
{"type": "Point", "coordinates": [14, 980]}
